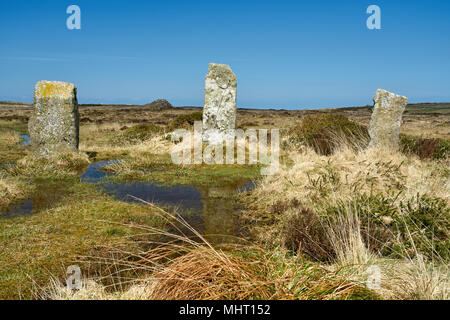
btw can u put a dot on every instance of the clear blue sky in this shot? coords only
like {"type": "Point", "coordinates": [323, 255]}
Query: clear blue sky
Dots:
{"type": "Point", "coordinates": [286, 54]}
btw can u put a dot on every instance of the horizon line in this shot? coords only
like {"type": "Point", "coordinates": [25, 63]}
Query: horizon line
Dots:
{"type": "Point", "coordinates": [242, 108]}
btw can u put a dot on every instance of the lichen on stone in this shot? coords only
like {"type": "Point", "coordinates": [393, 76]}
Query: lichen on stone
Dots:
{"type": "Point", "coordinates": [47, 89]}
{"type": "Point", "coordinates": [219, 111]}
{"type": "Point", "coordinates": [54, 123]}
{"type": "Point", "coordinates": [386, 119]}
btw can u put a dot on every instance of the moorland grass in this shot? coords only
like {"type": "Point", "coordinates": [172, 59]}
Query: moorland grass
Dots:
{"type": "Point", "coordinates": [10, 149]}
{"type": "Point", "coordinates": [326, 132]}
{"type": "Point", "coordinates": [188, 269]}
{"type": "Point", "coordinates": [436, 149]}
{"type": "Point", "coordinates": [315, 226]}
{"type": "Point", "coordinates": [80, 223]}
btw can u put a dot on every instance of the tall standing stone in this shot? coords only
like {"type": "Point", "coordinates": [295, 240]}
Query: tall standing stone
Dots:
{"type": "Point", "coordinates": [54, 123]}
{"type": "Point", "coordinates": [219, 111]}
{"type": "Point", "coordinates": [386, 120]}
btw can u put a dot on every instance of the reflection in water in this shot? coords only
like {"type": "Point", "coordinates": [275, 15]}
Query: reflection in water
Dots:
{"type": "Point", "coordinates": [184, 197]}
{"type": "Point", "coordinates": [46, 195]}
{"type": "Point", "coordinates": [210, 211]}
{"type": "Point", "coordinates": [219, 212]}
{"type": "Point", "coordinates": [8, 165]}
{"type": "Point", "coordinates": [93, 174]}
{"type": "Point", "coordinates": [25, 140]}
{"type": "Point", "coordinates": [20, 210]}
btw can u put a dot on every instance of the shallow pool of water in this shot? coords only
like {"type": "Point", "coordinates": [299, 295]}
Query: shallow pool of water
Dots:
{"type": "Point", "coordinates": [45, 196]}
{"type": "Point", "coordinates": [20, 210]}
{"type": "Point", "coordinates": [25, 140]}
{"type": "Point", "coordinates": [209, 210]}
{"type": "Point", "coordinates": [94, 174]}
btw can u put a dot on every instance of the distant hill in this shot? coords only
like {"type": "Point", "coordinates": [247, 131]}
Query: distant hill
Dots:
{"type": "Point", "coordinates": [413, 108]}
{"type": "Point", "coordinates": [13, 104]}
{"type": "Point", "coordinates": [158, 105]}
{"type": "Point", "coordinates": [162, 104]}
{"type": "Point", "coordinates": [426, 108]}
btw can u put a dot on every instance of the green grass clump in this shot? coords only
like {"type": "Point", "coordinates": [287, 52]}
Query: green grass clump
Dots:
{"type": "Point", "coordinates": [443, 150]}
{"type": "Point", "coordinates": [138, 134]}
{"type": "Point", "coordinates": [426, 225]}
{"type": "Point", "coordinates": [79, 222]}
{"type": "Point", "coordinates": [325, 132]}
{"type": "Point", "coordinates": [116, 231]}
{"type": "Point", "coordinates": [61, 165]}
{"type": "Point", "coordinates": [199, 175]}
{"type": "Point", "coordinates": [425, 148]}
{"type": "Point", "coordinates": [10, 149]}
{"type": "Point", "coordinates": [417, 225]}
{"type": "Point", "coordinates": [184, 121]}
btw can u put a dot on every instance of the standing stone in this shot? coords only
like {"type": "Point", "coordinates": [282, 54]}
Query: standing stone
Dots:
{"type": "Point", "coordinates": [386, 120]}
{"type": "Point", "coordinates": [219, 111]}
{"type": "Point", "coordinates": [54, 124]}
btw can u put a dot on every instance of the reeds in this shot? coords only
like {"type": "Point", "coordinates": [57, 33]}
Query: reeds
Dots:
{"type": "Point", "coordinates": [10, 189]}
{"type": "Point", "coordinates": [187, 266]}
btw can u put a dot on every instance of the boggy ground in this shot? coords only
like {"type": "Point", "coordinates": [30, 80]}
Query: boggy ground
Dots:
{"type": "Point", "coordinates": [425, 119]}
{"type": "Point", "coordinates": [311, 231]}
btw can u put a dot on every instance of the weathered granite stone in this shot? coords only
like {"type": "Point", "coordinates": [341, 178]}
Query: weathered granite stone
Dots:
{"type": "Point", "coordinates": [219, 111]}
{"type": "Point", "coordinates": [54, 123]}
{"type": "Point", "coordinates": [386, 120]}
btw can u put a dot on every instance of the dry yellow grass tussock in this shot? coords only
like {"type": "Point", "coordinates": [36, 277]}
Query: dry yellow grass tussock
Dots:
{"type": "Point", "coordinates": [155, 145]}
{"type": "Point", "coordinates": [9, 138]}
{"type": "Point", "coordinates": [418, 279]}
{"type": "Point", "coordinates": [10, 189]}
{"type": "Point", "coordinates": [187, 269]}
{"type": "Point", "coordinates": [62, 164]}
{"type": "Point", "coordinates": [207, 274]}
{"type": "Point", "coordinates": [315, 179]}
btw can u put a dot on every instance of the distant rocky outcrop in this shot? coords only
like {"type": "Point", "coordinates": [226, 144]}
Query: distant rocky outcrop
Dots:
{"type": "Point", "coordinates": [158, 105]}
